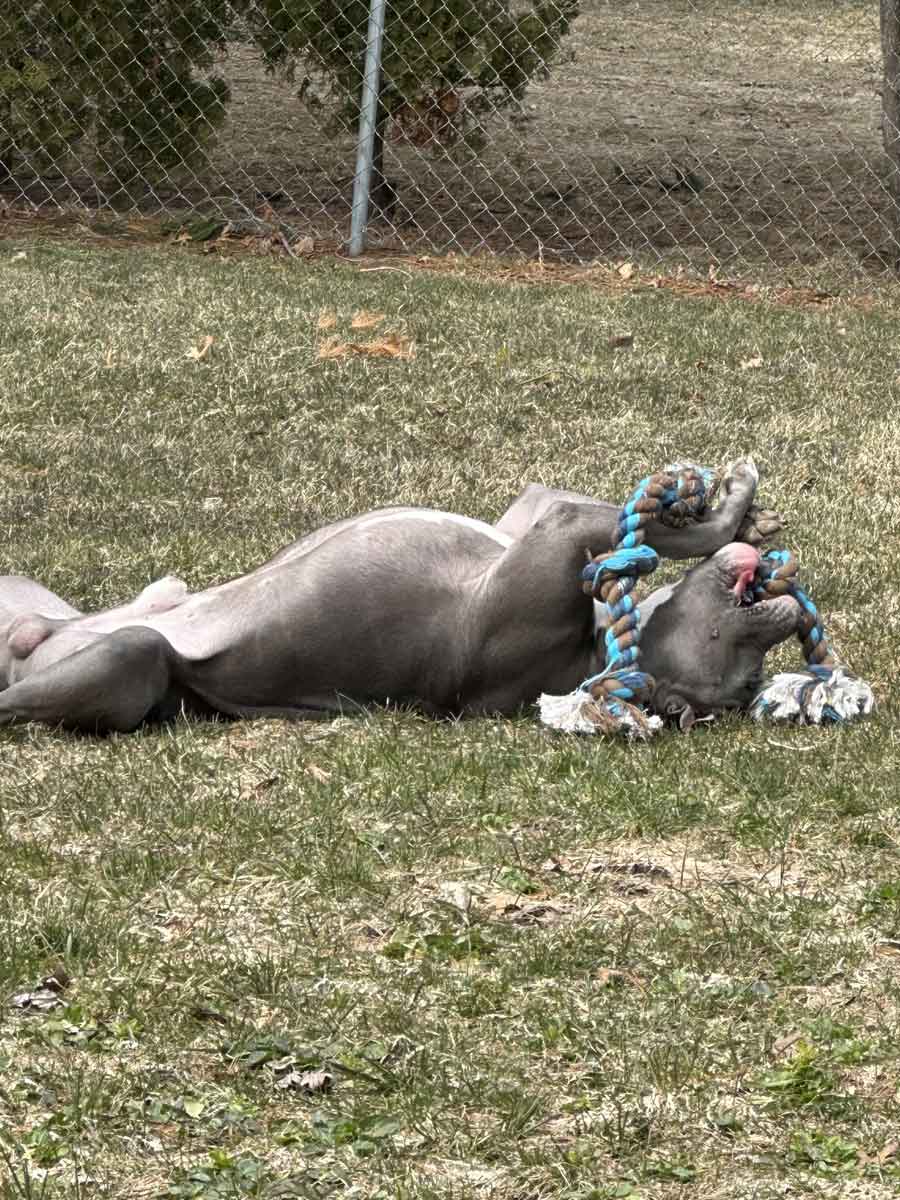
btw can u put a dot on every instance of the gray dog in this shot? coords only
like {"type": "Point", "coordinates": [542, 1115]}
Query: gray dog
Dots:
{"type": "Point", "coordinates": [402, 605]}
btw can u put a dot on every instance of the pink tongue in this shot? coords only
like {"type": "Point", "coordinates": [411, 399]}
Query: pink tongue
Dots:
{"type": "Point", "coordinates": [743, 582]}
{"type": "Point", "coordinates": [743, 560]}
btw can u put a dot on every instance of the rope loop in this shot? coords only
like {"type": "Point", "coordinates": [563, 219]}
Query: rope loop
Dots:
{"type": "Point", "coordinates": [614, 699]}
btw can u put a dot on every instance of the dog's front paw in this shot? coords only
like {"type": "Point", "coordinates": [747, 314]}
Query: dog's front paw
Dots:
{"type": "Point", "coordinates": [759, 525]}
{"type": "Point", "coordinates": [741, 477]}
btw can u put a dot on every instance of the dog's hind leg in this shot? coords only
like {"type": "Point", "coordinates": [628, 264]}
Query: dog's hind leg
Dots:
{"type": "Point", "coordinates": [111, 685]}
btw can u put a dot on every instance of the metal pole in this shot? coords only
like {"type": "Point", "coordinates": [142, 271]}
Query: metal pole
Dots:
{"type": "Point", "coordinates": [368, 118]}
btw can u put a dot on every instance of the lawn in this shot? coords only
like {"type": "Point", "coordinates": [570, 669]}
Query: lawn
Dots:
{"type": "Point", "coordinates": [388, 957]}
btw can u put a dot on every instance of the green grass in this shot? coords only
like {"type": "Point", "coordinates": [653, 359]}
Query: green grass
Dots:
{"type": "Point", "coordinates": [458, 921]}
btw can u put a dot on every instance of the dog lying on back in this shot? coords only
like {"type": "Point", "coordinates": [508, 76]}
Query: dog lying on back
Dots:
{"type": "Point", "coordinates": [402, 606]}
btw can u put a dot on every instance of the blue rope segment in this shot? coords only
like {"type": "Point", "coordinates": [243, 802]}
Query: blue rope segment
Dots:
{"type": "Point", "coordinates": [777, 576]}
{"type": "Point", "coordinates": [637, 560]}
{"type": "Point", "coordinates": [613, 577]}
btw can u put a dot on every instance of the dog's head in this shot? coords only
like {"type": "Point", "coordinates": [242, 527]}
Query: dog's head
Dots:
{"type": "Point", "coordinates": [705, 643]}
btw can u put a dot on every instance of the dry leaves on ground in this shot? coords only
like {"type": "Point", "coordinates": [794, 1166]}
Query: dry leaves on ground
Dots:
{"type": "Point", "coordinates": [366, 320]}
{"type": "Point", "coordinates": [391, 345]}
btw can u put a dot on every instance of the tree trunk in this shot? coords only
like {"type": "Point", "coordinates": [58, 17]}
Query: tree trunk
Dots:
{"type": "Point", "coordinates": [890, 95]}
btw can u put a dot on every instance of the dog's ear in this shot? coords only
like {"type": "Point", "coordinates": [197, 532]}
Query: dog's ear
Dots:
{"type": "Point", "coordinates": [673, 707]}
{"type": "Point", "coordinates": [677, 708]}
{"type": "Point", "coordinates": [686, 719]}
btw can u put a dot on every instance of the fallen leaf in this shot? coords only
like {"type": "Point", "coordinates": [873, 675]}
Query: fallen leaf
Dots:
{"type": "Point", "coordinates": [785, 1042]}
{"type": "Point", "coordinates": [366, 320]}
{"type": "Point", "coordinates": [201, 350]}
{"type": "Point", "coordinates": [40, 1000]}
{"type": "Point", "coordinates": [304, 245]}
{"type": "Point", "coordinates": [621, 341]}
{"type": "Point", "coordinates": [888, 1150]}
{"type": "Point", "coordinates": [457, 895]}
{"type": "Point", "coordinates": [21, 469]}
{"type": "Point", "coordinates": [18, 256]}
{"type": "Point", "coordinates": [535, 914]}
{"type": "Point", "coordinates": [200, 1012]}
{"type": "Point", "coordinates": [612, 977]}
{"type": "Point", "coordinates": [310, 1082]}
{"type": "Point", "coordinates": [333, 347]}
{"type": "Point", "coordinates": [636, 868]}
{"type": "Point", "coordinates": [327, 320]}
{"type": "Point", "coordinates": [392, 345]}
{"type": "Point", "coordinates": [502, 903]}
{"type": "Point", "coordinates": [626, 270]}
{"type": "Point", "coordinates": [752, 364]}
{"type": "Point", "coordinates": [888, 946]}
{"type": "Point", "coordinates": [46, 995]}
{"type": "Point", "coordinates": [58, 980]}
{"type": "Point", "coordinates": [316, 1081]}
{"type": "Point", "coordinates": [317, 773]}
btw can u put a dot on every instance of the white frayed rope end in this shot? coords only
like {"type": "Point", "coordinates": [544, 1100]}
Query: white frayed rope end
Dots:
{"type": "Point", "coordinates": [809, 700]}
{"type": "Point", "coordinates": [578, 712]}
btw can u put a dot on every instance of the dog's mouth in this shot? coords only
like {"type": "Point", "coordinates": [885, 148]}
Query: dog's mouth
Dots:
{"type": "Point", "coordinates": [741, 564]}
{"type": "Point", "coordinates": [745, 596]}
{"type": "Point", "coordinates": [772, 619]}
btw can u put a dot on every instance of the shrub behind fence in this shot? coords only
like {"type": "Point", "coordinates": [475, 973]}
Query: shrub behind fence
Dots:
{"type": "Point", "coordinates": [699, 130]}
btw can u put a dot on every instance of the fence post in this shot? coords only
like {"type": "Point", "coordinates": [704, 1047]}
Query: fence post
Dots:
{"type": "Point", "coordinates": [368, 117]}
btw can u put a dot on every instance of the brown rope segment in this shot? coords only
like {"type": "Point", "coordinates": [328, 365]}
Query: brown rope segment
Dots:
{"type": "Point", "coordinates": [676, 500]}
{"type": "Point", "coordinates": [693, 498]}
{"type": "Point", "coordinates": [689, 488]}
{"type": "Point", "coordinates": [601, 716]}
{"type": "Point", "coordinates": [782, 581]}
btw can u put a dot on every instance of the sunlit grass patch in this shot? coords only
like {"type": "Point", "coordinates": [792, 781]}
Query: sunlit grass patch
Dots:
{"type": "Point", "coordinates": [526, 964]}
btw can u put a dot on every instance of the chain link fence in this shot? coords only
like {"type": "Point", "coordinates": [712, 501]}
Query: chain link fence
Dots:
{"type": "Point", "coordinates": [725, 131]}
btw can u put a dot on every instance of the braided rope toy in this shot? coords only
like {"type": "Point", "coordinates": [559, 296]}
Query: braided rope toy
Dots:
{"type": "Point", "coordinates": [825, 692]}
{"type": "Point", "coordinates": [614, 700]}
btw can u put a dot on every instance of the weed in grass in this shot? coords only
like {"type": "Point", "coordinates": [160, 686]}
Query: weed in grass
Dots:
{"type": "Point", "coordinates": [824, 1153]}
{"type": "Point", "coordinates": [805, 1081]}
{"type": "Point", "coordinates": [514, 879]}
{"type": "Point", "coordinates": [672, 1172]}
{"type": "Point", "coordinates": [225, 1177]}
{"type": "Point", "coordinates": [22, 1180]}
{"type": "Point", "coordinates": [71, 1026]}
{"type": "Point", "coordinates": [445, 941]}
{"type": "Point", "coordinates": [363, 1134]}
